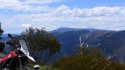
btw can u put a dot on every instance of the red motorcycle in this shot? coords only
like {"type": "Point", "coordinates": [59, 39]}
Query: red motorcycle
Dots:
{"type": "Point", "coordinates": [16, 59]}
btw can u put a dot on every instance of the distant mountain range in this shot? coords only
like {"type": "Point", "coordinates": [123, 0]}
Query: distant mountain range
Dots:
{"type": "Point", "coordinates": [63, 29]}
{"type": "Point", "coordinates": [111, 42]}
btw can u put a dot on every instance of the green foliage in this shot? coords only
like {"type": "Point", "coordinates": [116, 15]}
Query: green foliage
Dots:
{"type": "Point", "coordinates": [41, 42]}
{"type": "Point", "coordinates": [1, 31]}
{"type": "Point", "coordinates": [90, 51]}
{"type": "Point", "coordinates": [91, 60]}
{"type": "Point", "coordinates": [48, 68]}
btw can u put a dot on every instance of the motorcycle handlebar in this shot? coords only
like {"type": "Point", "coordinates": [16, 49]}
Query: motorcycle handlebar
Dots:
{"type": "Point", "coordinates": [9, 35]}
{"type": "Point", "coordinates": [9, 43]}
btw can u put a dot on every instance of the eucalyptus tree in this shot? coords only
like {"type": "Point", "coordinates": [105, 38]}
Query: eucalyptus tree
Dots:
{"type": "Point", "coordinates": [41, 43]}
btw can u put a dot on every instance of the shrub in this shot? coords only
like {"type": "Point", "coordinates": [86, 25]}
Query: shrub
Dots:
{"type": "Point", "coordinates": [87, 61]}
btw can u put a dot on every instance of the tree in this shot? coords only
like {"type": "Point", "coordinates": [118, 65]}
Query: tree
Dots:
{"type": "Point", "coordinates": [1, 31]}
{"type": "Point", "coordinates": [1, 44]}
{"type": "Point", "coordinates": [41, 42]}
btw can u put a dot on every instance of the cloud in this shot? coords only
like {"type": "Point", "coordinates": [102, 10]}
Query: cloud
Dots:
{"type": "Point", "coordinates": [26, 25]}
{"type": "Point", "coordinates": [86, 12]}
{"type": "Point", "coordinates": [39, 1]}
{"type": "Point", "coordinates": [103, 17]}
{"type": "Point", "coordinates": [27, 5]}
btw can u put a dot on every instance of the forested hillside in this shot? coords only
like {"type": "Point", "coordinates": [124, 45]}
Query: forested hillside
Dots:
{"type": "Point", "coordinates": [110, 42]}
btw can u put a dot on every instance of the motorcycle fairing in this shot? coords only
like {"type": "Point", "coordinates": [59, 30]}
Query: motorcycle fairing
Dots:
{"type": "Point", "coordinates": [24, 49]}
{"type": "Point", "coordinates": [12, 54]}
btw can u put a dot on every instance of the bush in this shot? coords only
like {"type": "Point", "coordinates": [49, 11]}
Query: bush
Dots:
{"type": "Point", "coordinates": [48, 68]}
{"type": "Point", "coordinates": [87, 61]}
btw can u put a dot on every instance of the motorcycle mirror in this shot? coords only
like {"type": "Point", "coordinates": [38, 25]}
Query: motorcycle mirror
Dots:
{"type": "Point", "coordinates": [9, 35]}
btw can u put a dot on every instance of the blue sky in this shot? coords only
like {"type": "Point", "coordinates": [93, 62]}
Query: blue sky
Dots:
{"type": "Point", "coordinates": [17, 15]}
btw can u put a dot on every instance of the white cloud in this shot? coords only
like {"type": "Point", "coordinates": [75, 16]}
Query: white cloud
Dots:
{"type": "Point", "coordinates": [26, 25]}
{"type": "Point", "coordinates": [27, 5]}
{"type": "Point", "coordinates": [98, 17]}
{"type": "Point", "coordinates": [96, 11]}
{"type": "Point", "coordinates": [106, 10]}
{"type": "Point", "coordinates": [39, 1]}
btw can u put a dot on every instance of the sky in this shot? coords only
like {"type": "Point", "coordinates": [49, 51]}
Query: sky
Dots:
{"type": "Point", "coordinates": [18, 15]}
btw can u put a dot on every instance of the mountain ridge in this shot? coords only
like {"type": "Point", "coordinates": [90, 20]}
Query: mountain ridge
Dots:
{"type": "Point", "coordinates": [111, 42]}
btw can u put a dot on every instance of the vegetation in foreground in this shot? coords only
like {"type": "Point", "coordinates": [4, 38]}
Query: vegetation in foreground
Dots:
{"type": "Point", "coordinates": [89, 60]}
